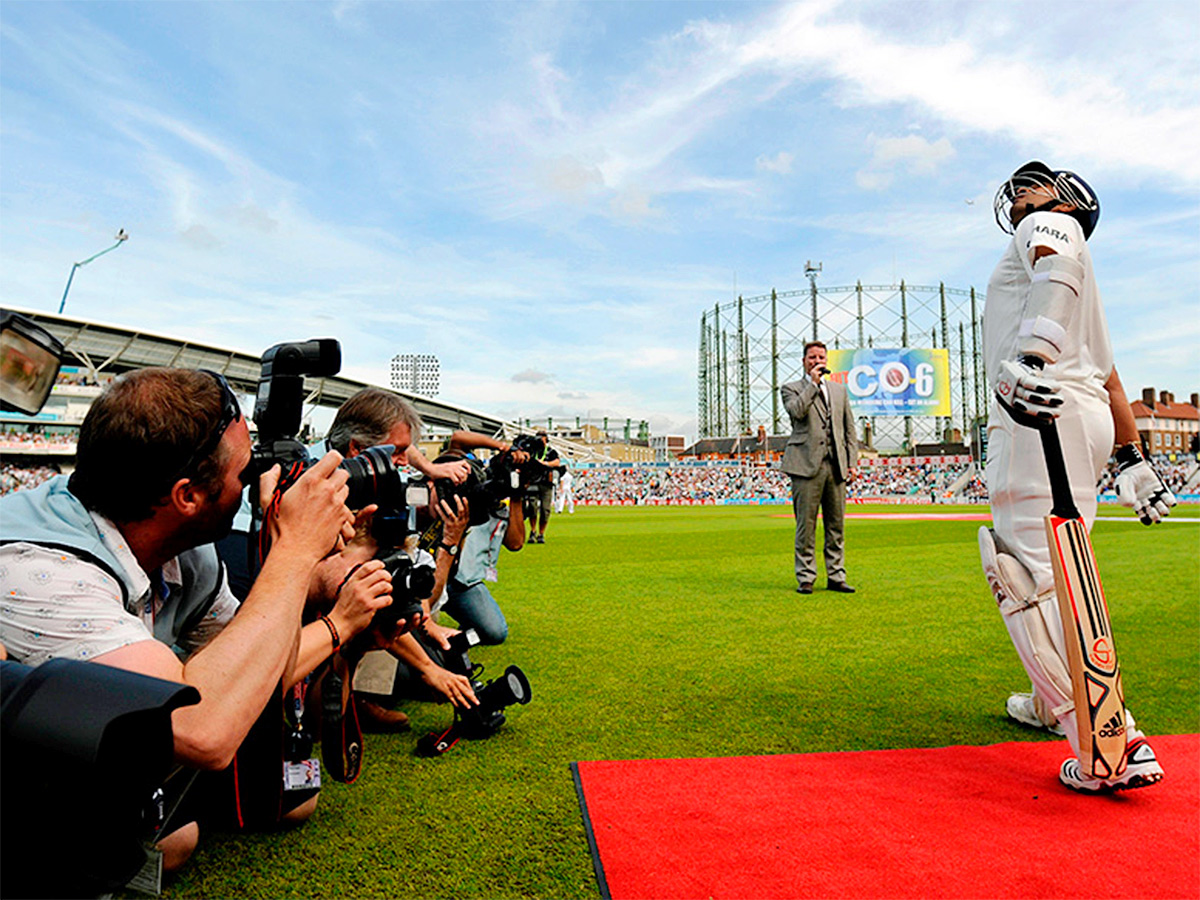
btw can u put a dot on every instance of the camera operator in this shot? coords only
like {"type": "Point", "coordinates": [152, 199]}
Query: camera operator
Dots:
{"type": "Point", "coordinates": [116, 564]}
{"type": "Point", "coordinates": [470, 602]}
{"type": "Point", "coordinates": [539, 497]}
{"type": "Point", "coordinates": [370, 418]}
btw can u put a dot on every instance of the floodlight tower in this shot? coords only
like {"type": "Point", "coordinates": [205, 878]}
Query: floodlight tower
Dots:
{"type": "Point", "coordinates": [811, 272]}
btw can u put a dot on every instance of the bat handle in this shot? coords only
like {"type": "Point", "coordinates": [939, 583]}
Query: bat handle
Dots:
{"type": "Point", "coordinates": [1056, 467]}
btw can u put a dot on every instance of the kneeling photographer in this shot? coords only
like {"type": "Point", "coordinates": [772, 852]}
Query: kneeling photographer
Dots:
{"type": "Point", "coordinates": [402, 659]}
{"type": "Point", "coordinates": [115, 564]}
{"type": "Point", "coordinates": [502, 525]}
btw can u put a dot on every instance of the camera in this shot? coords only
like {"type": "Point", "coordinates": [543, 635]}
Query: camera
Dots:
{"type": "Point", "coordinates": [82, 736]}
{"type": "Point", "coordinates": [533, 473]}
{"type": "Point", "coordinates": [277, 411]}
{"type": "Point", "coordinates": [476, 722]}
{"type": "Point", "coordinates": [484, 488]}
{"type": "Point", "coordinates": [410, 583]}
{"type": "Point", "coordinates": [374, 478]}
{"type": "Point", "coordinates": [503, 478]}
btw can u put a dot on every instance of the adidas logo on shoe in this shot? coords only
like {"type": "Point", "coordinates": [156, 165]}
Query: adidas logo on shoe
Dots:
{"type": "Point", "coordinates": [1142, 770]}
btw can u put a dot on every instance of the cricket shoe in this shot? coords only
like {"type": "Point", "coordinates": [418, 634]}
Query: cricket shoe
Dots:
{"type": "Point", "coordinates": [1021, 708]}
{"type": "Point", "coordinates": [1142, 770]}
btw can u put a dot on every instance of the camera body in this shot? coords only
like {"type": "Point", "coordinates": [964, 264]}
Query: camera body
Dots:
{"type": "Point", "coordinates": [533, 473]}
{"type": "Point", "coordinates": [484, 488]}
{"type": "Point", "coordinates": [411, 582]}
{"type": "Point", "coordinates": [503, 478]}
{"type": "Point", "coordinates": [484, 720]}
{"type": "Point", "coordinates": [279, 403]}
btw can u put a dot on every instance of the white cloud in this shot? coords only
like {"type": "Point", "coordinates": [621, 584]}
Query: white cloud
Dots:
{"type": "Point", "coordinates": [532, 376]}
{"type": "Point", "coordinates": [1064, 108]}
{"type": "Point", "coordinates": [911, 153]}
{"type": "Point", "coordinates": [780, 163]}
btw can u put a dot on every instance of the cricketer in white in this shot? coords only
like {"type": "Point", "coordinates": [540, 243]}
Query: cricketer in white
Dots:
{"type": "Point", "coordinates": [1047, 352]}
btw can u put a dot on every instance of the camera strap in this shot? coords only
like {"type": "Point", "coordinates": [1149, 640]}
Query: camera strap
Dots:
{"type": "Point", "coordinates": [341, 733]}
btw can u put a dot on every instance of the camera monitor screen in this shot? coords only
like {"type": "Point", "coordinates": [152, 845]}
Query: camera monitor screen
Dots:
{"type": "Point", "coordinates": [29, 362]}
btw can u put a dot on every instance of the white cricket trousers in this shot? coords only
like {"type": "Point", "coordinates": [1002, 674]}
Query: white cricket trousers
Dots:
{"type": "Point", "coordinates": [1019, 488]}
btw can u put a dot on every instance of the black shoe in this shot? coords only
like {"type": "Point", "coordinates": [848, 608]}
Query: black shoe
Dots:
{"type": "Point", "coordinates": [841, 587]}
{"type": "Point", "coordinates": [804, 589]}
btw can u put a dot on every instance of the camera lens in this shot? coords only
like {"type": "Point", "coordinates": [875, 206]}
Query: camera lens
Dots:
{"type": "Point", "coordinates": [373, 478]}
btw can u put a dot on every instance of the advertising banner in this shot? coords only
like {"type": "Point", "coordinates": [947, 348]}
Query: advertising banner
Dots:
{"type": "Point", "coordinates": [901, 381]}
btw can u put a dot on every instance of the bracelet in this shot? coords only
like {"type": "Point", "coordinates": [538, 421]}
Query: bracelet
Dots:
{"type": "Point", "coordinates": [333, 633]}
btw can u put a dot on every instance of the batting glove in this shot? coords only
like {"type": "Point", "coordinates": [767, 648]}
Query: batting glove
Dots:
{"type": "Point", "coordinates": [1139, 486]}
{"type": "Point", "coordinates": [1022, 386]}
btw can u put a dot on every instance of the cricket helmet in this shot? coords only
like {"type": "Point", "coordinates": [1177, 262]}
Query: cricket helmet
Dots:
{"type": "Point", "coordinates": [1068, 187]}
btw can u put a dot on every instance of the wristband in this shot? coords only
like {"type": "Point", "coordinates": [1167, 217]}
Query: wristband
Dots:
{"type": "Point", "coordinates": [333, 632]}
{"type": "Point", "coordinates": [1129, 455]}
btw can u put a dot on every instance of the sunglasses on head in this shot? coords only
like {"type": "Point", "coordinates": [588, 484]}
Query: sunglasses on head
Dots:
{"type": "Point", "coordinates": [231, 411]}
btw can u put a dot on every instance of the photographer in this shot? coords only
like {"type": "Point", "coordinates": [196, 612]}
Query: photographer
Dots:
{"type": "Point", "coordinates": [539, 497]}
{"type": "Point", "coordinates": [116, 565]}
{"type": "Point", "coordinates": [470, 602]}
{"type": "Point", "coordinates": [370, 418]}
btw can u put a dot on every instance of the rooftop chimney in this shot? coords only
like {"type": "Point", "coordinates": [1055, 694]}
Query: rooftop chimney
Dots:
{"type": "Point", "coordinates": [1148, 396]}
{"type": "Point", "coordinates": [1164, 397]}
{"type": "Point", "coordinates": [1196, 400]}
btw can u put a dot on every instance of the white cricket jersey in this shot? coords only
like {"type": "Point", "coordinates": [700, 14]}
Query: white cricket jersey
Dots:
{"type": "Point", "coordinates": [1087, 358]}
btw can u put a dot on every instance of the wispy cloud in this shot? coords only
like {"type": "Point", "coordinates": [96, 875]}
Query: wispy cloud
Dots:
{"type": "Point", "coordinates": [566, 188]}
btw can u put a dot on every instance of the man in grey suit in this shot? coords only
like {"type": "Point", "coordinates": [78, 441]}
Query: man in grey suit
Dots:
{"type": "Point", "coordinates": [820, 457]}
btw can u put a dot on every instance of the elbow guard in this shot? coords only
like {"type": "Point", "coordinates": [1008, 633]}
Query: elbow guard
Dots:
{"type": "Point", "coordinates": [1057, 283]}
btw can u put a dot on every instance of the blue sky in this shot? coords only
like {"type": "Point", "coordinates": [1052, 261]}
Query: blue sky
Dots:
{"type": "Point", "coordinates": [548, 196]}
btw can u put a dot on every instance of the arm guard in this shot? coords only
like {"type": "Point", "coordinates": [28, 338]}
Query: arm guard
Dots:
{"type": "Point", "coordinates": [1057, 282]}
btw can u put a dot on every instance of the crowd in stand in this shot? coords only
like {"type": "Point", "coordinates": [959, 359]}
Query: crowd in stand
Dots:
{"type": "Point", "coordinates": [36, 439]}
{"type": "Point", "coordinates": [936, 481]}
{"type": "Point", "coordinates": [641, 485]}
{"type": "Point", "coordinates": [16, 478]}
{"type": "Point", "coordinates": [644, 484]}
{"type": "Point", "coordinates": [666, 484]}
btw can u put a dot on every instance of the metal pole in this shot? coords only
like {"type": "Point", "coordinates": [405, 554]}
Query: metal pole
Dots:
{"type": "Point", "coordinates": [702, 379]}
{"type": "Point", "coordinates": [962, 377]}
{"type": "Point", "coordinates": [975, 362]}
{"type": "Point", "coordinates": [743, 388]}
{"type": "Point", "coordinates": [814, 306]}
{"type": "Point", "coordinates": [122, 237]}
{"type": "Point", "coordinates": [724, 383]}
{"type": "Point", "coordinates": [774, 365]}
{"type": "Point", "coordinates": [904, 343]}
{"type": "Point", "coordinates": [949, 423]}
{"type": "Point", "coordinates": [858, 294]}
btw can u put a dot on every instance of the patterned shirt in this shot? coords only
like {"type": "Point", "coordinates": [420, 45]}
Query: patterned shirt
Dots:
{"type": "Point", "coordinates": [55, 604]}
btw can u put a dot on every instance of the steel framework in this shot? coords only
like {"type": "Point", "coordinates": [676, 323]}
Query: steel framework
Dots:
{"type": "Point", "coordinates": [752, 345]}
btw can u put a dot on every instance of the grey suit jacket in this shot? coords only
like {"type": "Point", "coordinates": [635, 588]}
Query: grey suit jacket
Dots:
{"type": "Point", "coordinates": [807, 445]}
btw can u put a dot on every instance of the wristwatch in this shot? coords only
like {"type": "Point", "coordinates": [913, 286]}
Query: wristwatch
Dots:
{"type": "Point", "coordinates": [453, 551]}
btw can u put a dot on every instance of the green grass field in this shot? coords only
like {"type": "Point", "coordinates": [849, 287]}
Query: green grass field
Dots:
{"type": "Point", "coordinates": [676, 632]}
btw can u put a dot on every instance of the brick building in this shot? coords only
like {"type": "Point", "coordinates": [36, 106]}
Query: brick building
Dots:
{"type": "Point", "coordinates": [1165, 426]}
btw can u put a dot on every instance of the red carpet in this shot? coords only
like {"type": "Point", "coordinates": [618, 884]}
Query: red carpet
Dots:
{"type": "Point", "coordinates": [950, 822]}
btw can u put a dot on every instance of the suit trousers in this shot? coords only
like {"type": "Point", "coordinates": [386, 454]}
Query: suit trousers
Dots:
{"type": "Point", "coordinates": [825, 493]}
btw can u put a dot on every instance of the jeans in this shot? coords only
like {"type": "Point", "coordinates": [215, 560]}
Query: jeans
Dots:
{"type": "Point", "coordinates": [475, 607]}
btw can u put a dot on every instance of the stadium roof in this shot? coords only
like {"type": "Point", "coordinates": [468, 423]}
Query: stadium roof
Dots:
{"type": "Point", "coordinates": [102, 347]}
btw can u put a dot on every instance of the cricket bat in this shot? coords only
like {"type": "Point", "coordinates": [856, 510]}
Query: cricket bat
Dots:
{"type": "Point", "coordinates": [1091, 654]}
